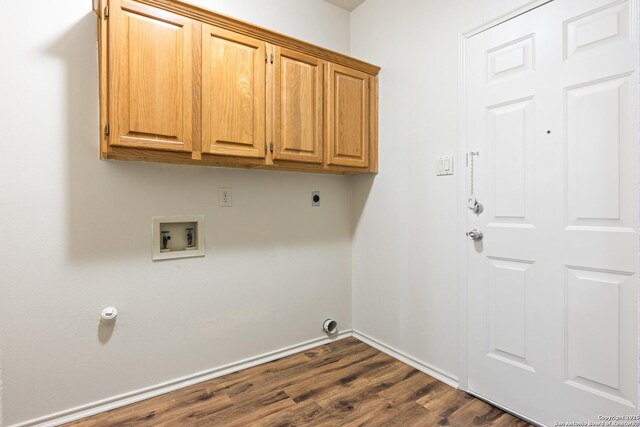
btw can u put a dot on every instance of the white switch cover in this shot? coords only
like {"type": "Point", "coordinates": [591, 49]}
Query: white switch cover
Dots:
{"type": "Point", "coordinates": [445, 165]}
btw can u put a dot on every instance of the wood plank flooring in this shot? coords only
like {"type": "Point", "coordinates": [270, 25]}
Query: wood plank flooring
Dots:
{"type": "Point", "coordinates": [345, 383]}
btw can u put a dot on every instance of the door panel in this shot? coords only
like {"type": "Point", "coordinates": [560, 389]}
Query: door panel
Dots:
{"type": "Point", "coordinates": [596, 122]}
{"type": "Point", "coordinates": [553, 296]}
{"type": "Point", "coordinates": [605, 25]}
{"type": "Point", "coordinates": [510, 132]}
{"type": "Point", "coordinates": [233, 94]}
{"type": "Point", "coordinates": [593, 313]}
{"type": "Point", "coordinates": [513, 58]}
{"type": "Point", "coordinates": [299, 96]}
{"type": "Point", "coordinates": [348, 117]}
{"type": "Point", "coordinates": [509, 319]}
{"type": "Point", "coordinates": [151, 78]}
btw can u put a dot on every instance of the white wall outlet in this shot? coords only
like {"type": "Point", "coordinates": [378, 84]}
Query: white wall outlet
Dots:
{"type": "Point", "coordinates": [224, 197]}
{"type": "Point", "coordinates": [315, 198]}
{"type": "Point", "coordinates": [444, 166]}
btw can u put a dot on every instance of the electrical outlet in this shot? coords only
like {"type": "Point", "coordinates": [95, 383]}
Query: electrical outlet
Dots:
{"type": "Point", "coordinates": [315, 198]}
{"type": "Point", "coordinates": [224, 197]}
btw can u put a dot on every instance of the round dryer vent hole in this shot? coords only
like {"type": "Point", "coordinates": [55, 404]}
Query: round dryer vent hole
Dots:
{"type": "Point", "coordinates": [330, 326]}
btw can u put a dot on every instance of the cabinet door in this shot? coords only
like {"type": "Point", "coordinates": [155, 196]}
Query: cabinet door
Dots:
{"type": "Point", "coordinates": [299, 91]}
{"type": "Point", "coordinates": [150, 78]}
{"type": "Point", "coordinates": [348, 113]}
{"type": "Point", "coordinates": [233, 94]}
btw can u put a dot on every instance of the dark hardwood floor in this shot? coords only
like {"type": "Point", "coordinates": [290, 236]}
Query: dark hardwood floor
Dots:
{"type": "Point", "coordinates": [345, 383]}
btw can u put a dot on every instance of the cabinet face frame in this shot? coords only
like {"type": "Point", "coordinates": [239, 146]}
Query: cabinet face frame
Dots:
{"type": "Point", "coordinates": [191, 149]}
{"type": "Point", "coordinates": [103, 75]}
{"type": "Point", "coordinates": [343, 112]}
{"type": "Point", "coordinates": [145, 111]}
{"type": "Point", "coordinates": [293, 128]}
{"type": "Point", "coordinates": [373, 135]}
{"type": "Point", "coordinates": [220, 132]}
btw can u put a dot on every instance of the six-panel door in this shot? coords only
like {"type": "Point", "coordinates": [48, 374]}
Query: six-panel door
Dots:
{"type": "Point", "coordinates": [348, 112]}
{"type": "Point", "coordinates": [233, 94]}
{"type": "Point", "coordinates": [551, 101]}
{"type": "Point", "coordinates": [299, 92]}
{"type": "Point", "coordinates": [150, 78]}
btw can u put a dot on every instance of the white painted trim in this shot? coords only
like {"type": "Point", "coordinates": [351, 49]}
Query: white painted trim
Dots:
{"type": "Point", "coordinates": [463, 179]}
{"type": "Point", "coordinates": [114, 402]}
{"type": "Point", "coordinates": [176, 384]}
{"type": "Point", "coordinates": [463, 370]}
{"type": "Point", "coordinates": [404, 358]}
{"type": "Point", "coordinates": [527, 7]}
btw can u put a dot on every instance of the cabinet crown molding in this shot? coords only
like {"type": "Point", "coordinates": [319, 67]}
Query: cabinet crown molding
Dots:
{"type": "Point", "coordinates": [269, 36]}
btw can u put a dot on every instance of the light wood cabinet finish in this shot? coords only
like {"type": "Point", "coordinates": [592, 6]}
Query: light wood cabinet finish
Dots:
{"type": "Point", "coordinates": [151, 77]}
{"type": "Point", "coordinates": [299, 95]}
{"type": "Point", "coordinates": [233, 93]}
{"type": "Point", "coordinates": [348, 112]}
{"type": "Point", "coordinates": [180, 84]}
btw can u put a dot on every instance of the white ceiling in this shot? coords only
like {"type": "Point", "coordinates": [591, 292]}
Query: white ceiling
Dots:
{"type": "Point", "coordinates": [346, 4]}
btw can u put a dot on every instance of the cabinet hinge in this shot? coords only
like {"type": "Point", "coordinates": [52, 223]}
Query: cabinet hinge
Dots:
{"type": "Point", "coordinates": [106, 129]}
{"type": "Point", "coordinates": [271, 57]}
{"type": "Point", "coordinates": [106, 11]}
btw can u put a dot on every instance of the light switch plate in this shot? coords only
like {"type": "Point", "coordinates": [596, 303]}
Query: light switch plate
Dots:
{"type": "Point", "coordinates": [444, 166]}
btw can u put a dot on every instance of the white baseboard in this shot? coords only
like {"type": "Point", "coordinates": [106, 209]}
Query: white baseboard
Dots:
{"type": "Point", "coordinates": [114, 402]}
{"type": "Point", "coordinates": [397, 354]}
{"type": "Point", "coordinates": [176, 384]}
{"type": "Point", "coordinates": [435, 373]}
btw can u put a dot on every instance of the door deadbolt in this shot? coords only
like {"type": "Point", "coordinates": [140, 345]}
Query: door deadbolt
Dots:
{"type": "Point", "coordinates": [475, 206]}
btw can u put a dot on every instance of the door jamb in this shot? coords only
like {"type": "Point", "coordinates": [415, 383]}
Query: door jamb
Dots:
{"type": "Point", "coordinates": [463, 373]}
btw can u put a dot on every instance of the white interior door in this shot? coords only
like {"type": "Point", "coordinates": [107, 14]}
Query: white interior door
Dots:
{"type": "Point", "coordinates": [552, 109]}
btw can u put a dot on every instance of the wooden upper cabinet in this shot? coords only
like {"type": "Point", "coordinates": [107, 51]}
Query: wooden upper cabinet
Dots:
{"type": "Point", "coordinates": [233, 94]}
{"type": "Point", "coordinates": [348, 117]}
{"type": "Point", "coordinates": [181, 84]}
{"type": "Point", "coordinates": [298, 104]}
{"type": "Point", "coordinates": [150, 87]}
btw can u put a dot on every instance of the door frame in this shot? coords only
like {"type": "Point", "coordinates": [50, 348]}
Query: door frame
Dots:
{"type": "Point", "coordinates": [462, 181]}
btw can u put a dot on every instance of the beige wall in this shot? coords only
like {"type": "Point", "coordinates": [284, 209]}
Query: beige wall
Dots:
{"type": "Point", "coordinates": [405, 274]}
{"type": "Point", "coordinates": [75, 231]}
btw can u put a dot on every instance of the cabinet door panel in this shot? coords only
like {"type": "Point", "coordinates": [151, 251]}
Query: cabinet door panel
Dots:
{"type": "Point", "coordinates": [348, 112]}
{"type": "Point", "coordinates": [151, 78]}
{"type": "Point", "coordinates": [299, 92]}
{"type": "Point", "coordinates": [233, 94]}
